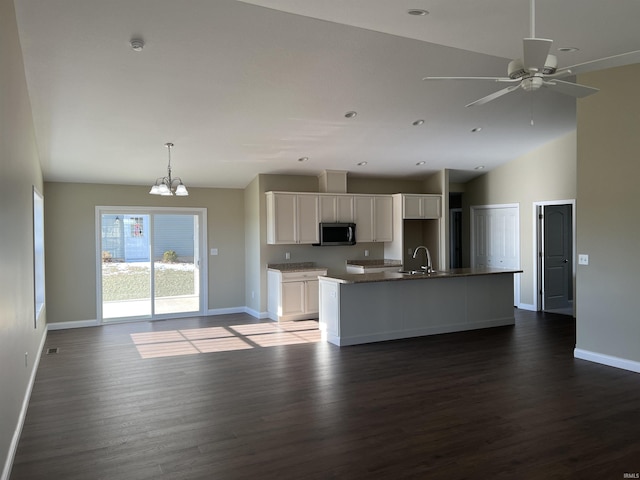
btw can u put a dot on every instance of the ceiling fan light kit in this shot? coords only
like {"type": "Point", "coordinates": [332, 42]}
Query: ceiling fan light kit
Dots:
{"type": "Point", "coordinates": [539, 69]}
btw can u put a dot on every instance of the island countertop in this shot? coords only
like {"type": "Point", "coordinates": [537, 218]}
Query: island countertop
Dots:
{"type": "Point", "coordinates": [350, 278]}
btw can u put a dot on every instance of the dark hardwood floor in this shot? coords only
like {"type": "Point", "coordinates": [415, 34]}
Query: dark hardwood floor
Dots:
{"type": "Point", "coordinates": [139, 401]}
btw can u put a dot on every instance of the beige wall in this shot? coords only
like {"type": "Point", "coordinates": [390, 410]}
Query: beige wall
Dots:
{"type": "Point", "coordinates": [20, 171]}
{"type": "Point", "coordinates": [71, 242]}
{"type": "Point", "coordinates": [546, 174]}
{"type": "Point", "coordinates": [608, 322]}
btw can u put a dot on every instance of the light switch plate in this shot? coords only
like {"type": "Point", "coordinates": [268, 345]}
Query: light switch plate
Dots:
{"type": "Point", "coordinates": [214, 251]}
{"type": "Point", "coordinates": [583, 259]}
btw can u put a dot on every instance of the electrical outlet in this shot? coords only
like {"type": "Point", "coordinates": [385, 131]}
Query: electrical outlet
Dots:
{"type": "Point", "coordinates": [287, 255]}
{"type": "Point", "coordinates": [214, 251]}
{"type": "Point", "coordinates": [366, 253]}
{"type": "Point", "coordinates": [583, 259]}
{"type": "Point", "coordinates": [409, 251]}
{"type": "Point", "coordinates": [253, 294]}
{"type": "Point", "coordinates": [26, 359]}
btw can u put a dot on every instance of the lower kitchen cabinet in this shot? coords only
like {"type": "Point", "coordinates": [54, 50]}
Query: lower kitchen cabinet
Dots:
{"type": "Point", "coordinates": [293, 295]}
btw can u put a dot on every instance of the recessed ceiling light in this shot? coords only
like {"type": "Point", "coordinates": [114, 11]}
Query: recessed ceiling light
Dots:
{"type": "Point", "coordinates": [351, 114]}
{"type": "Point", "coordinates": [421, 163]}
{"type": "Point", "coordinates": [418, 122]}
{"type": "Point", "coordinates": [568, 49]}
{"type": "Point", "coordinates": [362, 164]}
{"type": "Point", "coordinates": [303, 159]}
{"type": "Point", "coordinates": [479, 167]}
{"type": "Point", "coordinates": [417, 12]}
{"type": "Point", "coordinates": [476, 129]}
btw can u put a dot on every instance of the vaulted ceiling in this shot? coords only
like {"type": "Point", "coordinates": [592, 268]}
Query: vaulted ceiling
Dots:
{"type": "Point", "coordinates": [248, 87]}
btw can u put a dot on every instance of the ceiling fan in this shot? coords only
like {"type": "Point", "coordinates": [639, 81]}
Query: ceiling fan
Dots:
{"type": "Point", "coordinates": [538, 69]}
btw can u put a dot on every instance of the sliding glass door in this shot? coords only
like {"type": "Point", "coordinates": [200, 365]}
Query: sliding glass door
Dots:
{"type": "Point", "coordinates": [150, 263]}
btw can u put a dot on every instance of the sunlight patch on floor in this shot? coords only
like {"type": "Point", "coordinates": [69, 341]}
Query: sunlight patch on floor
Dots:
{"type": "Point", "coordinates": [192, 341]}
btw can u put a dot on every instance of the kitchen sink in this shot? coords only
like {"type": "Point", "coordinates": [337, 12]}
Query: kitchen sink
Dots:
{"type": "Point", "coordinates": [442, 273]}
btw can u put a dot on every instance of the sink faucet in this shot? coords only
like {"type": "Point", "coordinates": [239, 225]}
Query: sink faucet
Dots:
{"type": "Point", "coordinates": [429, 266]}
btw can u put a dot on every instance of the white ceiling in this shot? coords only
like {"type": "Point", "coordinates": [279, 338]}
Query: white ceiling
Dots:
{"type": "Point", "coordinates": [249, 87]}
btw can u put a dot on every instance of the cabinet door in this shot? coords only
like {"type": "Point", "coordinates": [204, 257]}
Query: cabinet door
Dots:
{"type": "Point", "coordinates": [284, 218]}
{"type": "Point", "coordinates": [328, 208]}
{"type": "Point", "coordinates": [412, 206]}
{"type": "Point", "coordinates": [363, 213]}
{"type": "Point", "coordinates": [293, 300]}
{"type": "Point", "coordinates": [307, 219]}
{"type": "Point", "coordinates": [344, 208]}
{"type": "Point", "coordinates": [431, 207]}
{"type": "Point", "coordinates": [313, 296]}
{"type": "Point", "coordinates": [383, 219]}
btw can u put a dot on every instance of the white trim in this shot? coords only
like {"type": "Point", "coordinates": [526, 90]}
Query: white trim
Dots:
{"type": "Point", "coordinates": [225, 311]}
{"type": "Point", "coordinates": [527, 306]}
{"type": "Point", "coordinates": [77, 324]}
{"type": "Point", "coordinates": [13, 447]}
{"type": "Point", "coordinates": [211, 312]}
{"type": "Point", "coordinates": [418, 332]}
{"type": "Point", "coordinates": [255, 313]}
{"type": "Point", "coordinates": [608, 360]}
{"type": "Point", "coordinates": [537, 246]}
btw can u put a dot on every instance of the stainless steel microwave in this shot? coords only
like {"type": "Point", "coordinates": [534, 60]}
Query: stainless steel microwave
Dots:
{"type": "Point", "coordinates": [337, 234]}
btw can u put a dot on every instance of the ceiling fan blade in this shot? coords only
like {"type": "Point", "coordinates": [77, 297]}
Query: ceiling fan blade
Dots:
{"type": "Point", "coordinates": [493, 96]}
{"type": "Point", "coordinates": [536, 51]}
{"type": "Point", "coordinates": [602, 63]}
{"type": "Point", "coordinates": [569, 88]}
{"type": "Point", "coordinates": [493, 79]}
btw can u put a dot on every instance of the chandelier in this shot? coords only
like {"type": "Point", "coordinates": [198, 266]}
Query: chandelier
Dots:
{"type": "Point", "coordinates": [167, 185]}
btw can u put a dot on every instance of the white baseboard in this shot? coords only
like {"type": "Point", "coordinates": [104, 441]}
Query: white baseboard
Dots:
{"type": "Point", "coordinates": [225, 311]}
{"type": "Point", "coordinates": [76, 324]}
{"type": "Point", "coordinates": [6, 471]}
{"type": "Point", "coordinates": [609, 360]}
{"type": "Point", "coordinates": [255, 313]}
{"type": "Point", "coordinates": [527, 306]}
{"type": "Point", "coordinates": [213, 311]}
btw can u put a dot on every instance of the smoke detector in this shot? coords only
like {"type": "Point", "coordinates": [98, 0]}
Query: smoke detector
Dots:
{"type": "Point", "coordinates": [137, 44]}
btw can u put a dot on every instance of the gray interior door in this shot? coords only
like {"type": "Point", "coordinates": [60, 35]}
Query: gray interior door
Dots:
{"type": "Point", "coordinates": [558, 257]}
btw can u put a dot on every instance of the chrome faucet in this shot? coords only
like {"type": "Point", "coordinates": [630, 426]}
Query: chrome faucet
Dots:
{"type": "Point", "coordinates": [429, 266]}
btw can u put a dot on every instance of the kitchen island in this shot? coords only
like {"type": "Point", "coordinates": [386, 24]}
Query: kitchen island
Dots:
{"type": "Point", "coordinates": [365, 308]}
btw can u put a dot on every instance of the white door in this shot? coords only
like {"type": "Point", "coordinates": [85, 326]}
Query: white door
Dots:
{"type": "Point", "coordinates": [495, 239]}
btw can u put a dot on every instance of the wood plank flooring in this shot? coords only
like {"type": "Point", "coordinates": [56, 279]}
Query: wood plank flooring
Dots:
{"type": "Point", "coordinates": [508, 402]}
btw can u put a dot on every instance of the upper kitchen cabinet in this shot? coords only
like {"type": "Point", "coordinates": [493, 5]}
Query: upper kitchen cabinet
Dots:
{"type": "Point", "coordinates": [421, 206]}
{"type": "Point", "coordinates": [373, 216]}
{"type": "Point", "coordinates": [336, 208]}
{"type": "Point", "coordinates": [292, 218]}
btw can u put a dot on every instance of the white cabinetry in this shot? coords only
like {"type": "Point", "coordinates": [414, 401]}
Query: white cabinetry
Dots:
{"type": "Point", "coordinates": [292, 218]}
{"type": "Point", "coordinates": [421, 206]}
{"type": "Point", "coordinates": [293, 295]}
{"type": "Point", "coordinates": [336, 208]}
{"type": "Point", "coordinates": [373, 216]}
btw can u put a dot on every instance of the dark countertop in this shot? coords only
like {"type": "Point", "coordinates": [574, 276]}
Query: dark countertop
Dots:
{"type": "Point", "coordinates": [350, 278]}
{"type": "Point", "coordinates": [380, 262]}
{"type": "Point", "coordinates": [295, 266]}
